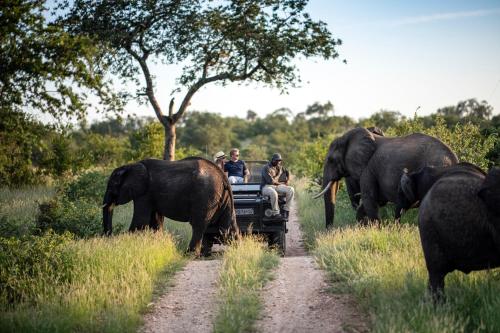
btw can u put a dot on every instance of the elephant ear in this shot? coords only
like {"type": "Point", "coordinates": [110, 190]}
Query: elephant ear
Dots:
{"type": "Point", "coordinates": [359, 150]}
{"type": "Point", "coordinates": [490, 190]}
{"type": "Point", "coordinates": [407, 186]}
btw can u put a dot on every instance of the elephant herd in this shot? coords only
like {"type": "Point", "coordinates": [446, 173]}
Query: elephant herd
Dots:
{"type": "Point", "coordinates": [459, 214]}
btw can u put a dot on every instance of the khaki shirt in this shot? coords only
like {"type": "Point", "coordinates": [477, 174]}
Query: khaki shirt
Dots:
{"type": "Point", "coordinates": [271, 174]}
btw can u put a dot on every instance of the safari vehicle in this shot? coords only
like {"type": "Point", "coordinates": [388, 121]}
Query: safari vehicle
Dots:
{"type": "Point", "coordinates": [253, 211]}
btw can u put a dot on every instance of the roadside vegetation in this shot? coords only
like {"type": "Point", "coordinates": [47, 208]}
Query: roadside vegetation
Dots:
{"type": "Point", "coordinates": [246, 267]}
{"type": "Point", "coordinates": [55, 283]}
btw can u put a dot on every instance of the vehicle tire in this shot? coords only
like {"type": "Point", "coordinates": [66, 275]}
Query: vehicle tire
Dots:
{"type": "Point", "coordinates": [206, 245]}
{"type": "Point", "coordinates": [278, 240]}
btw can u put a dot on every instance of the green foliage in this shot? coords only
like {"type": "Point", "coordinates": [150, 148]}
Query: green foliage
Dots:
{"type": "Point", "coordinates": [76, 208]}
{"type": "Point", "coordinates": [95, 285]}
{"type": "Point", "coordinates": [309, 158]}
{"type": "Point", "coordinates": [19, 136]}
{"type": "Point", "coordinates": [465, 140]}
{"type": "Point", "coordinates": [246, 267]}
{"type": "Point", "coordinates": [147, 142]}
{"type": "Point", "coordinates": [19, 209]}
{"type": "Point", "coordinates": [30, 264]}
{"type": "Point", "coordinates": [383, 119]}
{"type": "Point", "coordinates": [44, 68]}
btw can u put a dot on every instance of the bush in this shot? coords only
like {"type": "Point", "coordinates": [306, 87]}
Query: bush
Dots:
{"type": "Point", "coordinates": [465, 140]}
{"type": "Point", "coordinates": [30, 264]}
{"type": "Point", "coordinates": [76, 208]}
{"type": "Point", "coordinates": [308, 160]}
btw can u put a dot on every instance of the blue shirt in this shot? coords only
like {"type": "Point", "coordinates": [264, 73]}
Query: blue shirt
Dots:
{"type": "Point", "coordinates": [235, 168]}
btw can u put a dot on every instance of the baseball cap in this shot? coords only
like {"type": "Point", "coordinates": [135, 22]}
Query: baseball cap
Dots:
{"type": "Point", "coordinates": [276, 157]}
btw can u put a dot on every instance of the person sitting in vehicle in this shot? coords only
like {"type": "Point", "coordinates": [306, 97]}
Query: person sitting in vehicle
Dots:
{"type": "Point", "coordinates": [235, 169]}
{"type": "Point", "coordinates": [271, 186]}
{"type": "Point", "coordinates": [220, 159]}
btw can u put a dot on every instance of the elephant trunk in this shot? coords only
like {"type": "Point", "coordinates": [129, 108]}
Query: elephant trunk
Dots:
{"type": "Point", "coordinates": [107, 218]}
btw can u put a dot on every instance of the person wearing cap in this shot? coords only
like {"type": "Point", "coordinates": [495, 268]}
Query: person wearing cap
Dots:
{"type": "Point", "coordinates": [236, 169]}
{"type": "Point", "coordinates": [271, 186]}
{"type": "Point", "coordinates": [219, 159]}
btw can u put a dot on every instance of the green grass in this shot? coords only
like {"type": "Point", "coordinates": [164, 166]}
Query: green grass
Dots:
{"type": "Point", "coordinates": [111, 282]}
{"type": "Point", "coordinates": [383, 266]}
{"type": "Point", "coordinates": [19, 209]}
{"type": "Point", "coordinates": [246, 267]}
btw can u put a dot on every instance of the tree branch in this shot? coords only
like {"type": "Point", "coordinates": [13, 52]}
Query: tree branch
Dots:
{"type": "Point", "coordinates": [149, 83]}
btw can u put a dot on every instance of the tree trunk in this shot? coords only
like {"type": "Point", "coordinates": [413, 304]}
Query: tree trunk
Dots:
{"type": "Point", "coordinates": [169, 153]}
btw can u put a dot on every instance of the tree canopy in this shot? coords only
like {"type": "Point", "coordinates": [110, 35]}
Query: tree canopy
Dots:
{"type": "Point", "coordinates": [42, 67]}
{"type": "Point", "coordinates": [221, 42]}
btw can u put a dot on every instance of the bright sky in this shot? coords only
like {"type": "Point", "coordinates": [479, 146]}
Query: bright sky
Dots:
{"type": "Point", "coordinates": [400, 55]}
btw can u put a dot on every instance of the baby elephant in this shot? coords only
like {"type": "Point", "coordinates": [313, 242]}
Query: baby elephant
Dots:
{"type": "Point", "coordinates": [414, 186]}
{"type": "Point", "coordinates": [459, 224]}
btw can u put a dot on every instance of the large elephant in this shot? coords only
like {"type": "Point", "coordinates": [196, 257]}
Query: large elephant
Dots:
{"type": "Point", "coordinates": [414, 185]}
{"type": "Point", "coordinates": [377, 162]}
{"type": "Point", "coordinates": [191, 190]}
{"type": "Point", "coordinates": [459, 224]}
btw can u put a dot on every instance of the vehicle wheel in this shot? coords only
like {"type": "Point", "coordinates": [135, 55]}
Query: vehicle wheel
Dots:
{"type": "Point", "coordinates": [206, 245]}
{"type": "Point", "coordinates": [278, 240]}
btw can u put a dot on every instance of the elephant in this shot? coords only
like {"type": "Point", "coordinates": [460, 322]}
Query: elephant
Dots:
{"type": "Point", "coordinates": [377, 162]}
{"type": "Point", "coordinates": [352, 184]}
{"type": "Point", "coordinates": [414, 186]}
{"type": "Point", "coordinates": [193, 190]}
{"type": "Point", "coordinates": [459, 225]}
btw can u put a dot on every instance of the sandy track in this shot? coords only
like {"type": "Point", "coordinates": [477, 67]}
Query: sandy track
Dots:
{"type": "Point", "coordinates": [297, 299]}
{"type": "Point", "coordinates": [189, 306]}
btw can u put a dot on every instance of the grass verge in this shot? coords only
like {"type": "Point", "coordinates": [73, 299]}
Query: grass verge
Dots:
{"type": "Point", "coordinates": [246, 267]}
{"type": "Point", "coordinates": [385, 269]}
{"type": "Point", "coordinates": [106, 285]}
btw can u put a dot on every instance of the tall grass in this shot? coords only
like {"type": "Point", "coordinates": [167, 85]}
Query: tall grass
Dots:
{"type": "Point", "coordinates": [111, 281]}
{"type": "Point", "coordinates": [19, 209]}
{"type": "Point", "coordinates": [384, 267]}
{"type": "Point", "coordinates": [245, 269]}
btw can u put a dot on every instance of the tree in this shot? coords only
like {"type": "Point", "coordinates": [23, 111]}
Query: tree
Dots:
{"type": "Point", "coordinates": [320, 110]}
{"type": "Point", "coordinates": [219, 42]}
{"type": "Point", "coordinates": [383, 119]}
{"type": "Point", "coordinates": [42, 67]}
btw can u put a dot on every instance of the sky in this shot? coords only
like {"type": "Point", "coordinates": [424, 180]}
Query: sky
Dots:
{"type": "Point", "coordinates": [400, 55]}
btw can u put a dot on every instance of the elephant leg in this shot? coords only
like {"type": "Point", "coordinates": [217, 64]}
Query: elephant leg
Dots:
{"type": "Point", "coordinates": [371, 209]}
{"type": "Point", "coordinates": [156, 221]}
{"type": "Point", "coordinates": [360, 213]}
{"type": "Point", "coordinates": [196, 238]}
{"type": "Point", "coordinates": [436, 285]}
{"type": "Point", "coordinates": [397, 213]}
{"type": "Point", "coordinates": [143, 211]}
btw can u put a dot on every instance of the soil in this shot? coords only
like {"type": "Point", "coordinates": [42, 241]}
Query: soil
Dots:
{"type": "Point", "coordinates": [296, 300]}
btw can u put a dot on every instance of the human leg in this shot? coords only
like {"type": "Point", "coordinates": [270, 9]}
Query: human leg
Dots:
{"type": "Point", "coordinates": [289, 192]}
{"type": "Point", "coordinates": [270, 191]}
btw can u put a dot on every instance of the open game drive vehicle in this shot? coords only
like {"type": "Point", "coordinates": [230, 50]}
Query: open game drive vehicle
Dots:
{"type": "Point", "coordinates": [253, 212]}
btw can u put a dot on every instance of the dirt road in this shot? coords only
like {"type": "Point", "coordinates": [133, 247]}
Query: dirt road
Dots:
{"type": "Point", "coordinates": [296, 300]}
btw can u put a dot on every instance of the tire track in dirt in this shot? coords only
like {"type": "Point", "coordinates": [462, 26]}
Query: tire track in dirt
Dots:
{"type": "Point", "coordinates": [190, 305]}
{"type": "Point", "coordinates": [298, 300]}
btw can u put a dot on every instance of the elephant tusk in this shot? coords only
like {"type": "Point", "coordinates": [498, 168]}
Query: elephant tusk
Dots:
{"type": "Point", "coordinates": [335, 189]}
{"type": "Point", "coordinates": [415, 204]}
{"type": "Point", "coordinates": [323, 192]}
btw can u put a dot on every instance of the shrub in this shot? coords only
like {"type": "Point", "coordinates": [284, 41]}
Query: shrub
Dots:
{"type": "Point", "coordinates": [465, 140]}
{"type": "Point", "coordinates": [76, 208]}
{"type": "Point", "coordinates": [30, 264]}
{"type": "Point", "coordinates": [308, 160]}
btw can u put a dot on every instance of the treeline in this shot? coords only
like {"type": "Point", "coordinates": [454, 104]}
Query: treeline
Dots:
{"type": "Point", "coordinates": [32, 152]}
